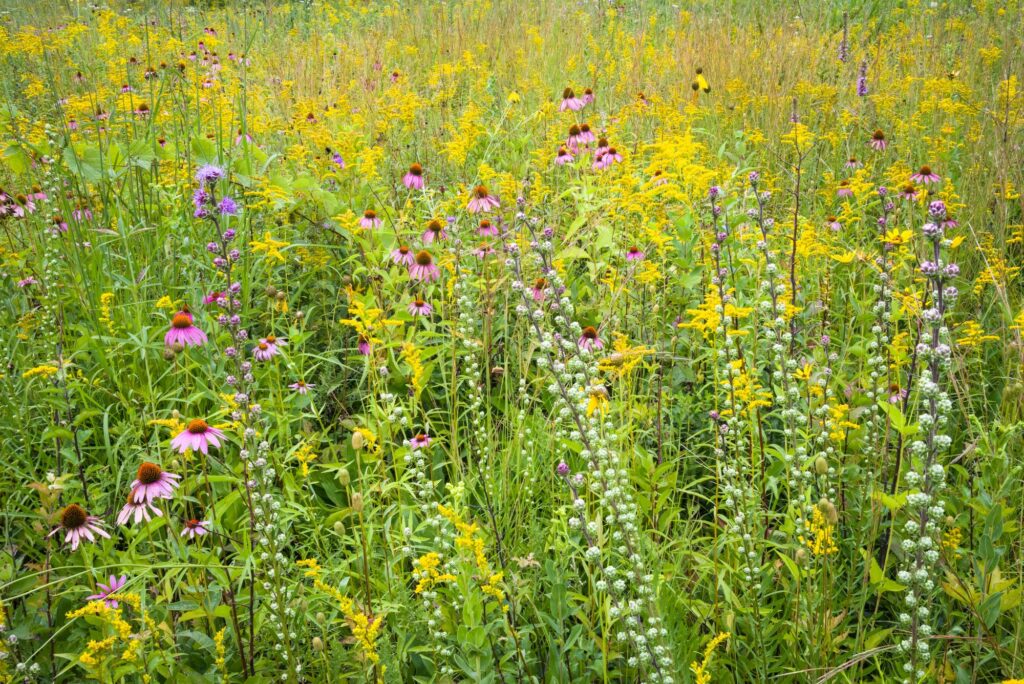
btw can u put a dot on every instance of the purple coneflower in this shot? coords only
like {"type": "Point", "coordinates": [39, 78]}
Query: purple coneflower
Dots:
{"type": "Point", "coordinates": [925, 175]}
{"type": "Point", "coordinates": [370, 219]}
{"type": "Point", "coordinates": [139, 510]}
{"type": "Point", "coordinates": [589, 339]}
{"type": "Point", "coordinates": [896, 394]}
{"type": "Point", "coordinates": [844, 189]}
{"type": "Point", "coordinates": [563, 157]}
{"type": "Point", "coordinates": [195, 528]}
{"type": "Point", "coordinates": [183, 331]}
{"type": "Point", "coordinates": [570, 101]}
{"type": "Point", "coordinates": [414, 178]}
{"type": "Point", "coordinates": [574, 140]}
{"type": "Point", "coordinates": [268, 347]}
{"type": "Point", "coordinates": [59, 224]}
{"type": "Point", "coordinates": [403, 255]}
{"type": "Point", "coordinates": [878, 140]}
{"type": "Point", "coordinates": [908, 191]}
{"type": "Point", "coordinates": [486, 229]}
{"type": "Point", "coordinates": [364, 345]}
{"type": "Point", "coordinates": [419, 307]}
{"type": "Point", "coordinates": [105, 590]}
{"type": "Point", "coordinates": [420, 441]}
{"type": "Point", "coordinates": [481, 200]}
{"type": "Point", "coordinates": [483, 251]}
{"type": "Point", "coordinates": [852, 163]}
{"type": "Point", "coordinates": [78, 525]}
{"type": "Point", "coordinates": [588, 96]}
{"type": "Point", "coordinates": [301, 386]}
{"type": "Point", "coordinates": [635, 254]}
{"type": "Point", "coordinates": [586, 135]}
{"type": "Point", "coordinates": [197, 436]}
{"type": "Point", "coordinates": [539, 285]}
{"type": "Point", "coordinates": [435, 232]}
{"type": "Point", "coordinates": [153, 482]}
{"type": "Point", "coordinates": [424, 268]}
{"type": "Point", "coordinates": [658, 178]}
{"type": "Point", "coordinates": [833, 223]}
{"type": "Point", "coordinates": [25, 282]}
{"type": "Point", "coordinates": [602, 147]}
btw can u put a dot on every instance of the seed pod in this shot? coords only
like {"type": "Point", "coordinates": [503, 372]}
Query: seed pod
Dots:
{"type": "Point", "coordinates": [800, 556]}
{"type": "Point", "coordinates": [321, 618]}
{"type": "Point", "coordinates": [318, 644]}
{"type": "Point", "coordinates": [357, 502]}
{"type": "Point", "coordinates": [271, 291]}
{"type": "Point", "coordinates": [169, 354]}
{"type": "Point", "coordinates": [358, 440]}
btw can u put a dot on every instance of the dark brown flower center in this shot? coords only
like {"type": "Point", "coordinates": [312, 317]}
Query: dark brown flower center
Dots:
{"type": "Point", "coordinates": [612, 151]}
{"type": "Point", "coordinates": [878, 135]}
{"type": "Point", "coordinates": [481, 191]}
{"type": "Point", "coordinates": [634, 250]}
{"type": "Point", "coordinates": [403, 250]}
{"type": "Point", "coordinates": [181, 321]}
{"type": "Point", "coordinates": [540, 284]}
{"type": "Point", "coordinates": [590, 332]}
{"type": "Point", "coordinates": [435, 226]}
{"type": "Point", "coordinates": [73, 517]}
{"type": "Point", "coordinates": [925, 171]}
{"type": "Point", "coordinates": [416, 170]}
{"type": "Point", "coordinates": [423, 258]}
{"type": "Point", "coordinates": [370, 214]}
{"type": "Point", "coordinates": [574, 130]}
{"type": "Point", "coordinates": [485, 224]}
{"type": "Point", "coordinates": [832, 219]}
{"type": "Point", "coordinates": [263, 346]}
{"type": "Point", "coordinates": [585, 128]}
{"type": "Point", "coordinates": [198, 426]}
{"type": "Point", "coordinates": [148, 473]}
{"type": "Point", "coordinates": [603, 142]}
{"type": "Point", "coordinates": [419, 303]}
{"type": "Point", "coordinates": [567, 93]}
{"type": "Point", "coordinates": [909, 188]}
{"type": "Point", "coordinates": [271, 339]}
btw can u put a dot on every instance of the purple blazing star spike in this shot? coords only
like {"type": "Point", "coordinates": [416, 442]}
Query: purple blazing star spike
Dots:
{"type": "Point", "coordinates": [209, 174]}
{"type": "Point", "coordinates": [227, 207]}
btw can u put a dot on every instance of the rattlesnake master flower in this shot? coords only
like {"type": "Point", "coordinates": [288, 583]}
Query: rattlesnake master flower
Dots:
{"type": "Point", "coordinates": [589, 339]}
{"type": "Point", "coordinates": [435, 232]}
{"type": "Point", "coordinates": [77, 525]}
{"type": "Point", "coordinates": [414, 178]}
{"type": "Point", "coordinates": [878, 140]}
{"type": "Point", "coordinates": [570, 102]}
{"type": "Point", "coordinates": [114, 585]}
{"type": "Point", "coordinates": [152, 482]}
{"type": "Point", "coordinates": [925, 175]}
{"type": "Point", "coordinates": [183, 331]}
{"type": "Point", "coordinates": [301, 386]}
{"type": "Point", "coordinates": [419, 307]}
{"type": "Point", "coordinates": [482, 200]}
{"type": "Point", "coordinates": [424, 268]}
{"type": "Point", "coordinates": [195, 528]}
{"type": "Point", "coordinates": [197, 436]}
{"type": "Point", "coordinates": [403, 256]}
{"type": "Point", "coordinates": [370, 220]}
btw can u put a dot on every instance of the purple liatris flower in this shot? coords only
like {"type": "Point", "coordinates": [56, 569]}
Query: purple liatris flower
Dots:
{"type": "Point", "coordinates": [209, 174]}
{"type": "Point", "coordinates": [862, 80]}
{"type": "Point", "coordinates": [227, 207]}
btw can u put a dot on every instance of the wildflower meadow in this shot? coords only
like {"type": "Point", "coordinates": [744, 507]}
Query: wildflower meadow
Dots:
{"type": "Point", "coordinates": [489, 341]}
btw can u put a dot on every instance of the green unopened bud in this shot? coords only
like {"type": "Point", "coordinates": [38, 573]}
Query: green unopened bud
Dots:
{"type": "Point", "coordinates": [318, 644]}
{"type": "Point", "coordinates": [339, 528]}
{"type": "Point", "coordinates": [344, 478]}
{"type": "Point", "coordinates": [321, 618]}
{"type": "Point", "coordinates": [357, 502]}
{"type": "Point", "coordinates": [358, 440]}
{"type": "Point", "coordinates": [821, 465]}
